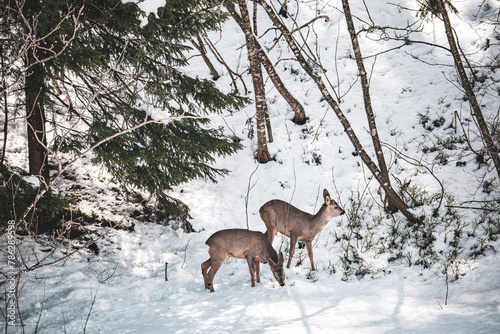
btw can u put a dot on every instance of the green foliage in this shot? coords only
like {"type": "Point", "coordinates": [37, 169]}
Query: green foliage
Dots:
{"type": "Point", "coordinates": [17, 194]}
{"type": "Point", "coordinates": [494, 127]}
{"type": "Point", "coordinates": [445, 237]}
{"type": "Point", "coordinates": [417, 196]}
{"type": "Point", "coordinates": [157, 157]}
{"type": "Point", "coordinates": [442, 135]}
{"type": "Point", "coordinates": [312, 275]}
{"type": "Point", "coordinates": [121, 70]}
{"type": "Point", "coordinates": [444, 241]}
{"type": "Point", "coordinates": [430, 7]}
{"type": "Point", "coordinates": [358, 238]}
{"type": "Point", "coordinates": [485, 228]}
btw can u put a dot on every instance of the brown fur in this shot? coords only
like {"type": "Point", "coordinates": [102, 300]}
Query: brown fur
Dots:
{"type": "Point", "coordinates": [241, 244]}
{"type": "Point", "coordinates": [279, 216]}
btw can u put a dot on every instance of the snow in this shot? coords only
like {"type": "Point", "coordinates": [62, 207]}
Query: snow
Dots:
{"type": "Point", "coordinates": [123, 289]}
{"type": "Point", "coordinates": [137, 299]}
{"type": "Point", "coordinates": [148, 7]}
{"type": "Point", "coordinates": [33, 180]}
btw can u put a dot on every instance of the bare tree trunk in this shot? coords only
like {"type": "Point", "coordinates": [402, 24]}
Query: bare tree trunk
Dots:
{"type": "Point", "coordinates": [254, 18]}
{"type": "Point", "coordinates": [257, 47]}
{"type": "Point", "coordinates": [201, 48]}
{"type": "Point", "coordinates": [476, 110]}
{"type": "Point", "coordinates": [233, 75]}
{"type": "Point", "coordinates": [390, 192]}
{"type": "Point", "coordinates": [263, 155]}
{"type": "Point", "coordinates": [300, 114]}
{"type": "Point", "coordinates": [367, 100]}
{"type": "Point", "coordinates": [268, 121]}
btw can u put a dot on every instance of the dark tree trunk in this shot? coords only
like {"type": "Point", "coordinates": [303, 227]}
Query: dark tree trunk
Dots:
{"type": "Point", "coordinates": [35, 116]}
{"type": "Point", "coordinates": [476, 110]}
{"type": "Point", "coordinates": [35, 94]}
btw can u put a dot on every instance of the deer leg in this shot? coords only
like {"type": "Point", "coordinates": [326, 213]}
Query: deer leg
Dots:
{"type": "Point", "coordinates": [293, 242]}
{"type": "Point", "coordinates": [310, 253]}
{"type": "Point", "coordinates": [204, 268]}
{"type": "Point", "coordinates": [257, 270]}
{"type": "Point", "coordinates": [213, 270]}
{"type": "Point", "coordinates": [251, 266]}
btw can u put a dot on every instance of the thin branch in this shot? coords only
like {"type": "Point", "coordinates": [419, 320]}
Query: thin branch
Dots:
{"type": "Point", "coordinates": [247, 197]}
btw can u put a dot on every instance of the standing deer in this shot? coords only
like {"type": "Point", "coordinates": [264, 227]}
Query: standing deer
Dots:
{"type": "Point", "coordinates": [279, 216]}
{"type": "Point", "coordinates": [241, 244]}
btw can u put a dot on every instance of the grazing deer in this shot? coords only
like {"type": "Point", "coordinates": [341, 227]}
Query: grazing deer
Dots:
{"type": "Point", "coordinates": [241, 244]}
{"type": "Point", "coordinates": [279, 216]}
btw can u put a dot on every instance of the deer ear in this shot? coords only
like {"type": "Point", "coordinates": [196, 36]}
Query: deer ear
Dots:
{"type": "Point", "coordinates": [280, 258]}
{"type": "Point", "coordinates": [271, 262]}
{"type": "Point", "coordinates": [326, 196]}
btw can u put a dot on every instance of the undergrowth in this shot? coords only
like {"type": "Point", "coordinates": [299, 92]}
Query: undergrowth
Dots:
{"type": "Point", "coordinates": [444, 241]}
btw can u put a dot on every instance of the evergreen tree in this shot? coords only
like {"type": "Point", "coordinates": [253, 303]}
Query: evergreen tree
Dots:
{"type": "Point", "coordinates": [113, 70]}
{"type": "Point", "coordinates": [431, 7]}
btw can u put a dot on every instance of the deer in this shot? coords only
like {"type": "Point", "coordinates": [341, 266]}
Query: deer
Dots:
{"type": "Point", "coordinates": [241, 244]}
{"type": "Point", "coordinates": [280, 216]}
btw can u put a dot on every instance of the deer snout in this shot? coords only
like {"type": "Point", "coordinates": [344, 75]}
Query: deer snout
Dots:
{"type": "Point", "coordinates": [281, 280]}
{"type": "Point", "coordinates": [342, 212]}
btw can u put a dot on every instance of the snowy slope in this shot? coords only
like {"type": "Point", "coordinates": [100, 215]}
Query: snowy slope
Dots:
{"type": "Point", "coordinates": [123, 290]}
{"type": "Point", "coordinates": [137, 299]}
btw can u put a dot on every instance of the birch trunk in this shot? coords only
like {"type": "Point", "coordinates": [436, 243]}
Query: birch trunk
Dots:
{"type": "Point", "coordinates": [476, 110]}
{"type": "Point", "coordinates": [367, 100]}
{"type": "Point", "coordinates": [300, 114]}
{"type": "Point", "coordinates": [201, 48]}
{"type": "Point", "coordinates": [263, 155]}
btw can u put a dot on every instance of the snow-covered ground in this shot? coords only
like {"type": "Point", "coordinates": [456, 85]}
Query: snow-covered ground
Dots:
{"type": "Point", "coordinates": [137, 299]}
{"type": "Point", "coordinates": [123, 289]}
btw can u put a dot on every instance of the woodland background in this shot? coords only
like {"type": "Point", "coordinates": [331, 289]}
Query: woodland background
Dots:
{"type": "Point", "coordinates": [134, 130]}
